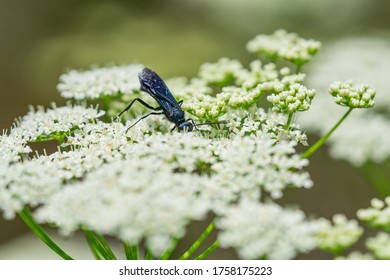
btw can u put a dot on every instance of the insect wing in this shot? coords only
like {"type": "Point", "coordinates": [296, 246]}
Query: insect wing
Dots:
{"type": "Point", "coordinates": [155, 86]}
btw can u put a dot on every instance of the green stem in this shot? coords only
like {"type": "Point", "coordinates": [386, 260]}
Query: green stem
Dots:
{"type": "Point", "coordinates": [320, 142]}
{"type": "Point", "coordinates": [198, 242]}
{"type": "Point", "coordinates": [298, 68]}
{"type": "Point", "coordinates": [98, 246]}
{"type": "Point", "coordinates": [27, 217]}
{"type": "Point", "coordinates": [105, 245]}
{"type": "Point", "coordinates": [93, 248]}
{"type": "Point", "coordinates": [168, 252]}
{"type": "Point", "coordinates": [148, 255]}
{"type": "Point", "coordinates": [131, 251]}
{"type": "Point", "coordinates": [288, 123]}
{"type": "Point", "coordinates": [208, 251]}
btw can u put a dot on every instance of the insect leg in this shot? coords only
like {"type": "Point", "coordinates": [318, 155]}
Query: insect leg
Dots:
{"type": "Point", "coordinates": [144, 117]}
{"type": "Point", "coordinates": [173, 128]}
{"type": "Point", "coordinates": [180, 102]}
{"type": "Point", "coordinates": [193, 123]}
{"type": "Point", "coordinates": [140, 101]}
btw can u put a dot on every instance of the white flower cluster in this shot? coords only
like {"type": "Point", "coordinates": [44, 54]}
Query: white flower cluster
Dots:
{"type": "Point", "coordinates": [378, 215]}
{"type": "Point", "coordinates": [364, 134]}
{"type": "Point", "coordinates": [44, 122]}
{"type": "Point", "coordinates": [259, 73]}
{"type": "Point", "coordinates": [145, 185]}
{"type": "Point", "coordinates": [339, 236]}
{"type": "Point", "coordinates": [205, 107]}
{"type": "Point", "coordinates": [12, 149]}
{"type": "Point", "coordinates": [288, 95]}
{"type": "Point", "coordinates": [184, 89]}
{"type": "Point", "coordinates": [218, 172]}
{"type": "Point", "coordinates": [223, 72]}
{"type": "Point", "coordinates": [353, 96]}
{"type": "Point", "coordinates": [242, 123]}
{"type": "Point", "coordinates": [296, 99]}
{"type": "Point", "coordinates": [134, 200]}
{"type": "Point", "coordinates": [29, 182]}
{"type": "Point", "coordinates": [94, 83]}
{"type": "Point", "coordinates": [379, 245]}
{"type": "Point", "coordinates": [248, 162]}
{"type": "Point", "coordinates": [34, 181]}
{"type": "Point", "coordinates": [266, 231]}
{"type": "Point", "coordinates": [282, 44]}
{"type": "Point", "coordinates": [244, 93]}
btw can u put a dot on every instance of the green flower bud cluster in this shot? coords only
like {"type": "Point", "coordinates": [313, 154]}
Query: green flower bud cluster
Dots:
{"type": "Point", "coordinates": [378, 215]}
{"type": "Point", "coordinates": [379, 245]}
{"type": "Point", "coordinates": [353, 96]}
{"type": "Point", "coordinates": [339, 236]}
{"type": "Point", "coordinates": [296, 98]}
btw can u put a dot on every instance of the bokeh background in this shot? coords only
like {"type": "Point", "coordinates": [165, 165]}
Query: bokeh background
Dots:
{"type": "Point", "coordinates": [41, 39]}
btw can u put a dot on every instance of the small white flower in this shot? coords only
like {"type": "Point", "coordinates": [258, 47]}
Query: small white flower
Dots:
{"type": "Point", "coordinates": [12, 148]}
{"type": "Point", "coordinates": [43, 122]}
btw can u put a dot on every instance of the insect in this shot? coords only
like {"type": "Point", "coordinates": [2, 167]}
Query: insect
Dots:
{"type": "Point", "coordinates": [155, 86]}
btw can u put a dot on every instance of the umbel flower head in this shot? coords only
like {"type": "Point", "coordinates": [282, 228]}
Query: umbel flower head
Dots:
{"type": "Point", "coordinates": [146, 185]}
{"type": "Point", "coordinates": [296, 99]}
{"type": "Point", "coordinates": [339, 236]}
{"type": "Point", "coordinates": [363, 137]}
{"type": "Point", "coordinates": [378, 215]}
{"type": "Point", "coordinates": [284, 45]}
{"type": "Point", "coordinates": [353, 96]}
{"type": "Point", "coordinates": [379, 245]}
{"type": "Point", "coordinates": [98, 82]}
{"type": "Point", "coordinates": [270, 231]}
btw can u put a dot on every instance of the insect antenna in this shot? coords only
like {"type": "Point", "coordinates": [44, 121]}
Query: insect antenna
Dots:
{"type": "Point", "coordinates": [207, 123]}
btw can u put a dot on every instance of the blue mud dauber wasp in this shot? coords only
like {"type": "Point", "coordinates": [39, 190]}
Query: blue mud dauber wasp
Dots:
{"type": "Point", "coordinates": [155, 86]}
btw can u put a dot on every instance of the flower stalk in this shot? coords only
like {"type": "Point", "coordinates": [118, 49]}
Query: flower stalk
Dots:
{"type": "Point", "coordinates": [321, 141]}
{"type": "Point", "coordinates": [29, 220]}
{"type": "Point", "coordinates": [198, 242]}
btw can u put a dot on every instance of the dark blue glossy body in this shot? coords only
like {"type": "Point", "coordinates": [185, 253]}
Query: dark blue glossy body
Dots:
{"type": "Point", "coordinates": [155, 86]}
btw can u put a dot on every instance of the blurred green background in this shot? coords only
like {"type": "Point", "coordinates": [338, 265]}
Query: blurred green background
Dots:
{"type": "Point", "coordinates": [41, 39]}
